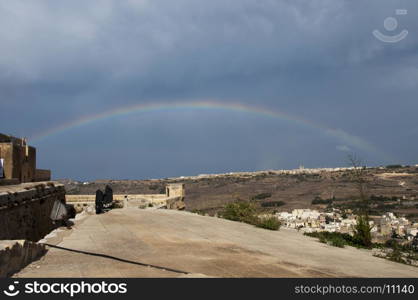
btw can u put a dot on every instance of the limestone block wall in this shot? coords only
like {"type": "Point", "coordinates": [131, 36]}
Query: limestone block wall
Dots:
{"type": "Point", "coordinates": [25, 209]}
{"type": "Point", "coordinates": [144, 200]}
{"type": "Point", "coordinates": [42, 175]}
{"type": "Point", "coordinates": [176, 203]}
{"type": "Point", "coordinates": [175, 190]}
{"type": "Point", "coordinates": [81, 202]}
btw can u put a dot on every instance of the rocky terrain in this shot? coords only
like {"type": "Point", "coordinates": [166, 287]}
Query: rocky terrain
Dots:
{"type": "Point", "coordinates": [392, 188]}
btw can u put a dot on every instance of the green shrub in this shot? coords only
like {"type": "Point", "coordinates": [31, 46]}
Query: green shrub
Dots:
{"type": "Point", "coordinates": [319, 200]}
{"type": "Point", "coordinates": [272, 204]}
{"type": "Point", "coordinates": [246, 212]}
{"type": "Point", "coordinates": [362, 232]}
{"type": "Point", "coordinates": [269, 223]}
{"type": "Point", "coordinates": [393, 166]}
{"type": "Point", "coordinates": [261, 196]}
{"type": "Point", "coordinates": [392, 243]}
{"type": "Point", "coordinates": [322, 239]}
{"type": "Point", "coordinates": [374, 198]}
{"type": "Point", "coordinates": [241, 212]}
{"type": "Point", "coordinates": [337, 241]}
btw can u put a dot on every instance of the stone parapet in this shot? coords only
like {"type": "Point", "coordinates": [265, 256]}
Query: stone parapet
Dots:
{"type": "Point", "coordinates": [25, 209]}
{"type": "Point", "coordinates": [83, 202]}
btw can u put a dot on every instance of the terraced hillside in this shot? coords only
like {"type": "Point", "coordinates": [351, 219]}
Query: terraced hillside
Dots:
{"type": "Point", "coordinates": [391, 189]}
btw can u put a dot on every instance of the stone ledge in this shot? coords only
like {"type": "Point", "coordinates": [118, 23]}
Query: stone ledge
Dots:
{"type": "Point", "coordinates": [17, 254]}
{"type": "Point", "coordinates": [25, 209]}
{"type": "Point", "coordinates": [15, 195]}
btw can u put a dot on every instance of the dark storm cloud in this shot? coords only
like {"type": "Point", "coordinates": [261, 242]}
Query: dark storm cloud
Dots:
{"type": "Point", "coordinates": [316, 59]}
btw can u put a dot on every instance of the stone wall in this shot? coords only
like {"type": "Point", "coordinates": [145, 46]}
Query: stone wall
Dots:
{"type": "Point", "coordinates": [9, 181]}
{"type": "Point", "coordinates": [82, 202]}
{"type": "Point", "coordinates": [25, 209]}
{"type": "Point", "coordinates": [15, 255]}
{"type": "Point", "coordinates": [42, 175]}
{"type": "Point", "coordinates": [175, 190]}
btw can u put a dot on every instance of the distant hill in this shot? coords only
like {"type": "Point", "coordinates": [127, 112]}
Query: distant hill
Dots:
{"type": "Point", "coordinates": [393, 188]}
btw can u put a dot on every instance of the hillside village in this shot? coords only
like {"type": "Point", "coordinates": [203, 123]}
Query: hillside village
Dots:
{"type": "Point", "coordinates": [383, 227]}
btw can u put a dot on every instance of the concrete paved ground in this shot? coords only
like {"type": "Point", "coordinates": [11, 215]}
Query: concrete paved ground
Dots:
{"type": "Point", "coordinates": [191, 245]}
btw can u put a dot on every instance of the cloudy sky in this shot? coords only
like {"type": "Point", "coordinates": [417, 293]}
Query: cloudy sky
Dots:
{"type": "Point", "coordinates": [290, 82]}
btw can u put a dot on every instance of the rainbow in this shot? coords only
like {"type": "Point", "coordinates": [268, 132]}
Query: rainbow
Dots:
{"type": "Point", "coordinates": [340, 134]}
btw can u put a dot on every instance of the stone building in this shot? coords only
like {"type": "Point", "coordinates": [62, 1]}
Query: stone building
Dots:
{"type": "Point", "coordinates": [18, 162]}
{"type": "Point", "coordinates": [175, 190]}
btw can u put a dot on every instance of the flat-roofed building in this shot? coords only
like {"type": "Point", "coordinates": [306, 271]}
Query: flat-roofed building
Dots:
{"type": "Point", "coordinates": [175, 190]}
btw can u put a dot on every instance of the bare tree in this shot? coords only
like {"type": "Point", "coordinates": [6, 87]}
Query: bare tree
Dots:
{"type": "Point", "coordinates": [332, 186]}
{"type": "Point", "coordinates": [359, 178]}
{"type": "Point", "coordinates": [362, 230]}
